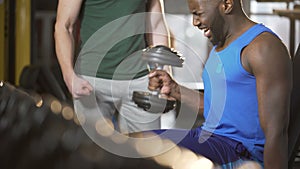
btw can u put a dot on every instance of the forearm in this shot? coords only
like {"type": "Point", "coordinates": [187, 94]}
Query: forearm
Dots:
{"type": "Point", "coordinates": [160, 35]}
{"type": "Point", "coordinates": [67, 14]}
{"type": "Point", "coordinates": [64, 44]}
{"type": "Point", "coordinates": [274, 119]}
{"type": "Point", "coordinates": [275, 152]}
{"type": "Point", "coordinates": [168, 87]}
{"type": "Point", "coordinates": [193, 99]}
{"type": "Point", "coordinates": [156, 25]}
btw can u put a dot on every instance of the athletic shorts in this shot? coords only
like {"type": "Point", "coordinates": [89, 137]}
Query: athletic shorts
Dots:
{"type": "Point", "coordinates": [222, 151]}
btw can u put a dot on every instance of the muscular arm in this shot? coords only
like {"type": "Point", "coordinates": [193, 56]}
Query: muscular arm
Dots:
{"type": "Point", "coordinates": [191, 98]}
{"type": "Point", "coordinates": [161, 36]}
{"type": "Point", "coordinates": [67, 14]}
{"type": "Point", "coordinates": [267, 58]}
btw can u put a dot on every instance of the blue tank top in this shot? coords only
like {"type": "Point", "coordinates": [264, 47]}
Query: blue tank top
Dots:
{"type": "Point", "coordinates": [231, 105]}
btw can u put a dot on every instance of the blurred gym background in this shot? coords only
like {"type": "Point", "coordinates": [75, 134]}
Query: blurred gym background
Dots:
{"type": "Point", "coordinates": [38, 127]}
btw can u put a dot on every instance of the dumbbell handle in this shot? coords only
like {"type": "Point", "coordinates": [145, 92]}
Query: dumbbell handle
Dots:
{"type": "Point", "coordinates": [155, 66]}
{"type": "Point", "coordinates": [157, 57]}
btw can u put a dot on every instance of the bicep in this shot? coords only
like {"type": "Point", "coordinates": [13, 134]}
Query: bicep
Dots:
{"type": "Point", "coordinates": [271, 66]}
{"type": "Point", "coordinates": [67, 12]}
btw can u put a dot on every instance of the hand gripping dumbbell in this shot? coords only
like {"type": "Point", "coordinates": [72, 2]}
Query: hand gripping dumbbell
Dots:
{"type": "Point", "coordinates": [157, 57]}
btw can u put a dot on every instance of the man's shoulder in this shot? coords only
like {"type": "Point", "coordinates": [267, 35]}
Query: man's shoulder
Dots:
{"type": "Point", "coordinates": [265, 43]}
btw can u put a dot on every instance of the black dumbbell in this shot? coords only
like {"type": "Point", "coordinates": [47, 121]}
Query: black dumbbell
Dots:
{"type": "Point", "coordinates": [157, 57]}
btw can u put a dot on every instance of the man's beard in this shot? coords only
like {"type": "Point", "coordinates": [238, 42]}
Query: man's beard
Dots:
{"type": "Point", "coordinates": [217, 41]}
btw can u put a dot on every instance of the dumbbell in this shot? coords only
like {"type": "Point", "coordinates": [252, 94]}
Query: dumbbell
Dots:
{"type": "Point", "coordinates": [157, 57]}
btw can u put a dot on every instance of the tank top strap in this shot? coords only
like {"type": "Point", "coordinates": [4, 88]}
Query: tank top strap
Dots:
{"type": "Point", "coordinates": [251, 34]}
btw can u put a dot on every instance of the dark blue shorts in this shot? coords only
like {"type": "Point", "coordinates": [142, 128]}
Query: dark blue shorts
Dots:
{"type": "Point", "coordinates": [219, 149]}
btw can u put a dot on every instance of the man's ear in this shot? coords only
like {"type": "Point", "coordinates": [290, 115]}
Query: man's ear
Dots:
{"type": "Point", "coordinates": [228, 6]}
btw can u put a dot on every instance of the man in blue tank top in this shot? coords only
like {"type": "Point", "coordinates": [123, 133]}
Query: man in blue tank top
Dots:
{"type": "Point", "coordinates": [247, 86]}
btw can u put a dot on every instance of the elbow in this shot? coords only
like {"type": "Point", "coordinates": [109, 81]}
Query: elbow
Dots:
{"type": "Point", "coordinates": [63, 28]}
{"type": "Point", "coordinates": [279, 131]}
{"type": "Point", "coordinates": [56, 30]}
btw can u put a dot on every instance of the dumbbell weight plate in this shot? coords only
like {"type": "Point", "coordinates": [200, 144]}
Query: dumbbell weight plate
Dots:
{"type": "Point", "coordinates": [152, 103]}
{"type": "Point", "coordinates": [162, 55]}
{"type": "Point", "coordinates": [157, 57]}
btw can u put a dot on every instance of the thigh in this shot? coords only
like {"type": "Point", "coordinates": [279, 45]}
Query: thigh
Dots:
{"type": "Point", "coordinates": [131, 112]}
{"type": "Point", "coordinates": [104, 104]}
{"type": "Point", "coordinates": [133, 118]}
{"type": "Point", "coordinates": [218, 149]}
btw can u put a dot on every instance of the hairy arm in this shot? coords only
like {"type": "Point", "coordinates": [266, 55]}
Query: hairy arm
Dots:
{"type": "Point", "coordinates": [67, 14]}
{"type": "Point", "coordinates": [268, 59]}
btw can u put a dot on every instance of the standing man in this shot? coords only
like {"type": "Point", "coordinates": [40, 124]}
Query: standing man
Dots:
{"type": "Point", "coordinates": [119, 70]}
{"type": "Point", "coordinates": [247, 86]}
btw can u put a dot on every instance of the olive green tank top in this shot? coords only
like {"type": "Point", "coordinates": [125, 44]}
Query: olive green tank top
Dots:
{"type": "Point", "coordinates": [112, 36]}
